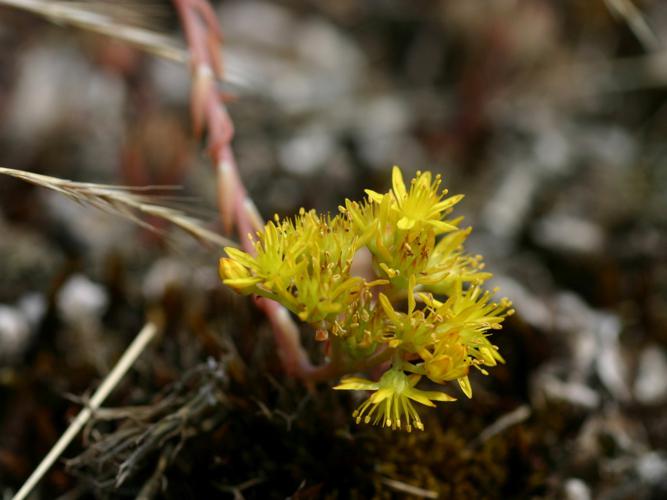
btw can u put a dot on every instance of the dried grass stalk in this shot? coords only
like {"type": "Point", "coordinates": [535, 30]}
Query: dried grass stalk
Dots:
{"type": "Point", "coordinates": [128, 202]}
{"type": "Point", "coordinates": [104, 19]}
{"type": "Point", "coordinates": [126, 361]}
{"type": "Point", "coordinates": [630, 13]}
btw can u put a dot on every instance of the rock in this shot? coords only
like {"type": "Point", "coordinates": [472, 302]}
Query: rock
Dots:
{"type": "Point", "coordinates": [80, 300]}
{"type": "Point", "coordinates": [14, 334]}
{"type": "Point", "coordinates": [163, 274]}
{"type": "Point", "coordinates": [303, 64]}
{"type": "Point", "coordinates": [530, 307]}
{"type": "Point", "coordinates": [652, 468]}
{"type": "Point", "coordinates": [569, 234]}
{"type": "Point", "coordinates": [574, 319]}
{"type": "Point", "coordinates": [552, 149]}
{"type": "Point", "coordinates": [58, 90]}
{"type": "Point", "coordinates": [612, 146]}
{"type": "Point", "coordinates": [380, 125]}
{"type": "Point", "coordinates": [33, 306]}
{"type": "Point", "coordinates": [650, 386]}
{"type": "Point", "coordinates": [505, 213]}
{"type": "Point", "coordinates": [593, 338]}
{"type": "Point", "coordinates": [307, 151]}
{"type": "Point", "coordinates": [576, 489]}
{"type": "Point", "coordinates": [572, 392]}
{"type": "Point", "coordinates": [611, 365]}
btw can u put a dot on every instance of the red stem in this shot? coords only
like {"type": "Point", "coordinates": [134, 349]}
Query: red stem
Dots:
{"type": "Point", "coordinates": [203, 36]}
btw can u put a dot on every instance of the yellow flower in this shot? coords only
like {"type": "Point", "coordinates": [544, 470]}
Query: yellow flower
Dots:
{"type": "Point", "coordinates": [422, 204]}
{"type": "Point", "coordinates": [278, 250]}
{"type": "Point", "coordinates": [302, 263]}
{"type": "Point", "coordinates": [449, 361]}
{"type": "Point", "coordinates": [470, 314]}
{"type": "Point", "coordinates": [391, 403]}
{"type": "Point", "coordinates": [400, 229]}
{"type": "Point", "coordinates": [235, 274]}
{"type": "Point", "coordinates": [420, 300]}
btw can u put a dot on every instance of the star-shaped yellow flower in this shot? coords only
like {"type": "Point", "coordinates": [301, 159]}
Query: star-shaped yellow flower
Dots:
{"type": "Point", "coordinates": [422, 204]}
{"type": "Point", "coordinates": [385, 277]}
{"type": "Point", "coordinates": [391, 403]}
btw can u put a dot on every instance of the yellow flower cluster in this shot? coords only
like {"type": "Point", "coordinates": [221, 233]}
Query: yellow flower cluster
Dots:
{"type": "Point", "coordinates": [421, 303]}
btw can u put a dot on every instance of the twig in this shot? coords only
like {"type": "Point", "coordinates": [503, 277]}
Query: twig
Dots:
{"type": "Point", "coordinates": [151, 488]}
{"type": "Point", "coordinates": [92, 17]}
{"type": "Point", "coordinates": [508, 420]}
{"type": "Point", "coordinates": [635, 21]}
{"type": "Point", "coordinates": [237, 491]}
{"type": "Point", "coordinates": [408, 488]}
{"type": "Point", "coordinates": [128, 358]}
{"type": "Point", "coordinates": [121, 200]}
{"type": "Point", "coordinates": [99, 22]}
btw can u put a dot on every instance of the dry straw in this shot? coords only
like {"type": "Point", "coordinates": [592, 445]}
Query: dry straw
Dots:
{"type": "Point", "coordinates": [104, 18]}
{"type": "Point", "coordinates": [126, 361]}
{"type": "Point", "coordinates": [125, 201]}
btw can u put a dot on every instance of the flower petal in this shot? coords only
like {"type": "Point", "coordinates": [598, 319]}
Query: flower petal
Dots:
{"type": "Point", "coordinates": [240, 256]}
{"type": "Point", "coordinates": [397, 183]}
{"type": "Point", "coordinates": [356, 384]}
{"type": "Point", "coordinates": [427, 397]}
{"type": "Point", "coordinates": [464, 383]}
{"type": "Point", "coordinates": [374, 196]}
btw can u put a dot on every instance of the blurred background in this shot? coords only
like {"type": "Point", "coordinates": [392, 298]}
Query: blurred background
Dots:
{"type": "Point", "coordinates": [550, 116]}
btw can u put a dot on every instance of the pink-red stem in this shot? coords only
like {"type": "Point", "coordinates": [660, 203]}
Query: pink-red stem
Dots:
{"type": "Point", "coordinates": [209, 114]}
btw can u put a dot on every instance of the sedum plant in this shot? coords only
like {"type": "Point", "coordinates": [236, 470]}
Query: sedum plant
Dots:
{"type": "Point", "coordinates": [419, 312]}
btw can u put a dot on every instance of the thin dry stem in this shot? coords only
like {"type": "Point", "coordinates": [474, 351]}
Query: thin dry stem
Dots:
{"type": "Point", "coordinates": [86, 16]}
{"type": "Point", "coordinates": [128, 358]}
{"type": "Point", "coordinates": [408, 488]}
{"type": "Point", "coordinates": [124, 201]}
{"type": "Point", "coordinates": [506, 421]}
{"type": "Point", "coordinates": [635, 21]}
{"type": "Point", "coordinates": [117, 22]}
